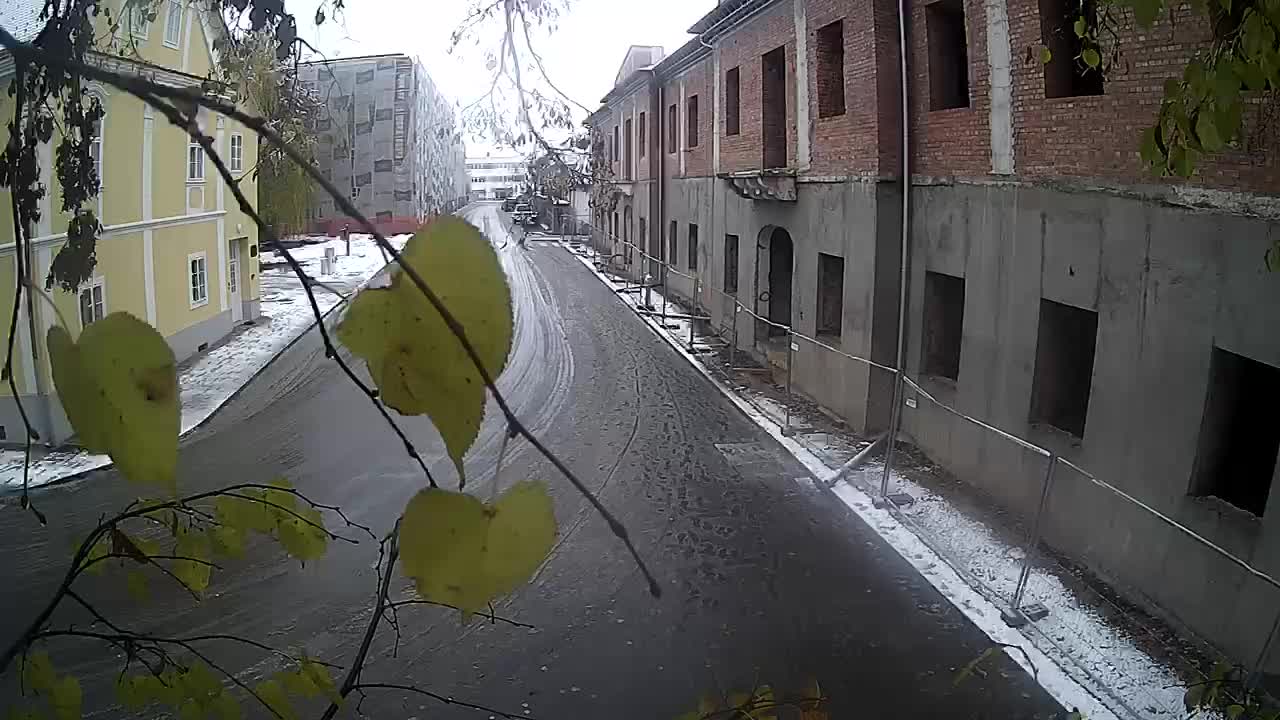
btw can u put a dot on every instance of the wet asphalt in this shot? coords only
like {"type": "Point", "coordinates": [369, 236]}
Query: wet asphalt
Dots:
{"type": "Point", "coordinates": [764, 579]}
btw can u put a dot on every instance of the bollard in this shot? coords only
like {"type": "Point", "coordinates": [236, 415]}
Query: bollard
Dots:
{"type": "Point", "coordinates": [1014, 616]}
{"type": "Point", "coordinates": [693, 311]}
{"type": "Point", "coordinates": [786, 426]}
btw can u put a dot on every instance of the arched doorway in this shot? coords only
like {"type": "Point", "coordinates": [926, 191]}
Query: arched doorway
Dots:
{"type": "Point", "coordinates": [775, 265]}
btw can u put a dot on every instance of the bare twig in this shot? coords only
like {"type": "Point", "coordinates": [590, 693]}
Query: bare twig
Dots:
{"type": "Point", "coordinates": [447, 700]}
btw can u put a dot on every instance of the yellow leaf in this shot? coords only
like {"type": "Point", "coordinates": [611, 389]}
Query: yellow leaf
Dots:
{"type": "Point", "coordinates": [193, 573]}
{"type": "Point", "coordinates": [464, 553]}
{"type": "Point", "coordinates": [413, 357]}
{"type": "Point", "coordinates": [303, 537]}
{"type": "Point", "coordinates": [243, 513]}
{"type": "Point", "coordinates": [321, 678]}
{"type": "Point", "coordinates": [38, 673]}
{"type": "Point", "coordinates": [65, 697]}
{"type": "Point", "coordinates": [119, 386]}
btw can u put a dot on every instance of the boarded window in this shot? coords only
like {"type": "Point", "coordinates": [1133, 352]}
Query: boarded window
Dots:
{"type": "Point", "coordinates": [773, 107]}
{"type": "Point", "coordinates": [1064, 366]}
{"type": "Point", "coordinates": [948, 55]}
{"type": "Point", "coordinates": [830, 294]}
{"type": "Point", "coordinates": [384, 216]}
{"type": "Point", "coordinates": [382, 114]}
{"type": "Point", "coordinates": [693, 246]}
{"type": "Point", "coordinates": [671, 129]}
{"type": "Point", "coordinates": [691, 117]}
{"type": "Point", "coordinates": [830, 71]}
{"type": "Point", "coordinates": [731, 264]}
{"type": "Point", "coordinates": [382, 166]}
{"type": "Point", "coordinates": [364, 77]}
{"type": "Point", "coordinates": [1066, 75]}
{"type": "Point", "coordinates": [943, 324]}
{"type": "Point", "coordinates": [732, 103]}
{"type": "Point", "coordinates": [641, 142]}
{"type": "Point", "coordinates": [1236, 455]}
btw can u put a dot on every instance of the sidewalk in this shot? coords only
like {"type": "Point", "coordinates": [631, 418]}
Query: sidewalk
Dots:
{"type": "Point", "coordinates": [1093, 651]}
{"type": "Point", "coordinates": [208, 380]}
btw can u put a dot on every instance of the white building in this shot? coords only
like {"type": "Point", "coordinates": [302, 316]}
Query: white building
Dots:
{"type": "Point", "coordinates": [494, 176]}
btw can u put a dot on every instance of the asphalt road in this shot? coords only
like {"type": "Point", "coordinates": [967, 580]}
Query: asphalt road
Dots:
{"type": "Point", "coordinates": [764, 580]}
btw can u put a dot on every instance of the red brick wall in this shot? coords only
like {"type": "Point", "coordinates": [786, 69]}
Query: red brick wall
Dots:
{"type": "Point", "coordinates": [851, 143]}
{"type": "Point", "coordinates": [1098, 136]}
{"type": "Point", "coordinates": [955, 141]}
{"type": "Point", "coordinates": [743, 48]}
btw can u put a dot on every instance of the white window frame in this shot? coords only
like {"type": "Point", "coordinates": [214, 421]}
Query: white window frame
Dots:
{"type": "Point", "coordinates": [198, 281]}
{"type": "Point", "coordinates": [88, 286]}
{"type": "Point", "coordinates": [195, 162]}
{"type": "Point", "coordinates": [236, 153]}
{"type": "Point", "coordinates": [99, 141]}
{"type": "Point", "coordinates": [172, 7]}
{"type": "Point", "coordinates": [142, 29]}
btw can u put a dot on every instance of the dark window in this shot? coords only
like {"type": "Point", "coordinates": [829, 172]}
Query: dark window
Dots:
{"type": "Point", "coordinates": [773, 107]}
{"type": "Point", "coordinates": [673, 244]}
{"type": "Point", "coordinates": [403, 195]}
{"type": "Point", "coordinates": [384, 216]}
{"type": "Point", "coordinates": [1064, 366]}
{"type": "Point", "coordinates": [693, 246]}
{"type": "Point", "coordinates": [1236, 456]}
{"type": "Point", "coordinates": [830, 75]}
{"type": "Point", "coordinates": [382, 166]}
{"type": "Point", "coordinates": [364, 77]}
{"type": "Point", "coordinates": [943, 324]}
{"type": "Point", "coordinates": [948, 55]}
{"type": "Point", "coordinates": [731, 264]}
{"type": "Point", "coordinates": [323, 124]}
{"type": "Point", "coordinates": [732, 103]}
{"type": "Point", "coordinates": [641, 141]}
{"type": "Point", "coordinates": [691, 117]}
{"type": "Point", "coordinates": [615, 156]}
{"type": "Point", "coordinates": [1065, 75]}
{"type": "Point", "coordinates": [382, 114]}
{"type": "Point", "coordinates": [626, 151]}
{"type": "Point", "coordinates": [671, 129]}
{"type": "Point", "coordinates": [364, 179]}
{"type": "Point", "coordinates": [364, 128]}
{"type": "Point", "coordinates": [830, 294]}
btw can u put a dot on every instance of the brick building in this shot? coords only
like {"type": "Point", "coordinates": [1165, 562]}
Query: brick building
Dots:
{"type": "Point", "coordinates": [1055, 288]}
{"type": "Point", "coordinates": [389, 136]}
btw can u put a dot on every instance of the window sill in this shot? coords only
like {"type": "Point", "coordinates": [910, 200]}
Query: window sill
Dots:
{"type": "Point", "coordinates": [200, 304]}
{"type": "Point", "coordinates": [172, 46]}
{"type": "Point", "coordinates": [191, 182]}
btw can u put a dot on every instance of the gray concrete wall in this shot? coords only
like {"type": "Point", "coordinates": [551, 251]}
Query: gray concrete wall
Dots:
{"type": "Point", "coordinates": [186, 342]}
{"type": "Point", "coordinates": [1167, 285]}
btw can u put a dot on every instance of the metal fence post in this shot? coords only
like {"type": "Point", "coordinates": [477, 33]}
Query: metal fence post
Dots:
{"type": "Point", "coordinates": [891, 437]}
{"type": "Point", "coordinates": [733, 348]}
{"type": "Point", "coordinates": [664, 296]}
{"type": "Point", "coordinates": [1014, 616]}
{"type": "Point", "coordinates": [786, 425]}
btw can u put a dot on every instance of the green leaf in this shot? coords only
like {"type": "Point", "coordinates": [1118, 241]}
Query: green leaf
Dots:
{"type": "Point", "coordinates": [227, 541]}
{"type": "Point", "coordinates": [193, 544]}
{"type": "Point", "coordinates": [244, 514]}
{"type": "Point", "coordinates": [1250, 73]}
{"type": "Point", "coordinates": [465, 553]}
{"type": "Point", "coordinates": [1149, 148]}
{"type": "Point", "coordinates": [1220, 670]}
{"type": "Point", "coordinates": [1080, 27]}
{"type": "Point", "coordinates": [1046, 55]}
{"type": "Point", "coordinates": [322, 680]}
{"type": "Point", "coordinates": [972, 666]}
{"type": "Point", "coordinates": [1091, 57]}
{"type": "Point", "coordinates": [38, 673]}
{"type": "Point", "coordinates": [1234, 711]}
{"type": "Point", "coordinates": [1192, 698]}
{"type": "Point", "coordinates": [65, 696]}
{"type": "Point", "coordinates": [136, 691]}
{"type": "Point", "coordinates": [1228, 119]}
{"type": "Point", "coordinates": [1207, 131]}
{"type": "Point", "coordinates": [122, 544]}
{"type": "Point", "coordinates": [136, 583]}
{"type": "Point", "coordinates": [281, 504]}
{"type": "Point", "coordinates": [93, 559]}
{"type": "Point", "coordinates": [119, 386]}
{"type": "Point", "coordinates": [301, 537]}
{"type": "Point", "coordinates": [226, 707]}
{"type": "Point", "coordinates": [273, 694]}
{"type": "Point", "coordinates": [1181, 163]}
{"type": "Point", "coordinates": [413, 357]}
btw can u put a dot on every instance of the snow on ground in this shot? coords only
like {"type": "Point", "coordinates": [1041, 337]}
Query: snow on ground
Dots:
{"type": "Point", "coordinates": [210, 379]}
{"type": "Point", "coordinates": [1088, 652]}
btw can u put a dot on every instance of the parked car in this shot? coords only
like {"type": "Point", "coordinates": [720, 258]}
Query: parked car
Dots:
{"type": "Point", "coordinates": [509, 204]}
{"type": "Point", "coordinates": [523, 214]}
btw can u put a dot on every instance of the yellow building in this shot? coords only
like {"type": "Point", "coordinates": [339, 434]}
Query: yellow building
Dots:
{"type": "Point", "coordinates": [174, 250]}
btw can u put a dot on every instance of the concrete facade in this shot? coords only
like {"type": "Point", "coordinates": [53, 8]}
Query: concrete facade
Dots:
{"type": "Point", "coordinates": [1055, 289]}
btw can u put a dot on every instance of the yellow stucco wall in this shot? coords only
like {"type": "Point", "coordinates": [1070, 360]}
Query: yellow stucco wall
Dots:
{"type": "Point", "coordinates": [6, 310]}
{"type": "Point", "coordinates": [120, 263]}
{"type": "Point", "coordinates": [171, 246]}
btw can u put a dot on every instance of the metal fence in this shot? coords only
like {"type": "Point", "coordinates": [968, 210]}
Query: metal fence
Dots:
{"type": "Point", "coordinates": [1112, 646]}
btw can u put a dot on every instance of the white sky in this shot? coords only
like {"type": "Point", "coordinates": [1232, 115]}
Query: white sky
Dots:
{"type": "Point", "coordinates": [581, 56]}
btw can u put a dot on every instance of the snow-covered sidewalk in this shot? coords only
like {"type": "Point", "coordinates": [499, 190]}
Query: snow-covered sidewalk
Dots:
{"type": "Point", "coordinates": [1093, 651]}
{"type": "Point", "coordinates": [208, 380]}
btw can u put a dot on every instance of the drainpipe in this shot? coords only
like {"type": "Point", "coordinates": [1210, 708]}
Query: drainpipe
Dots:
{"type": "Point", "coordinates": [895, 412]}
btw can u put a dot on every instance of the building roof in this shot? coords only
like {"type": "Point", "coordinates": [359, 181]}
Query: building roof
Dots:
{"type": "Point", "coordinates": [357, 58]}
{"type": "Point", "coordinates": [22, 18]}
{"type": "Point", "coordinates": [723, 10]}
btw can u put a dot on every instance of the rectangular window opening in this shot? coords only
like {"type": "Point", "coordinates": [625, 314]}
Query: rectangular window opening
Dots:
{"type": "Point", "coordinates": [195, 162]}
{"type": "Point", "coordinates": [237, 152]}
{"type": "Point", "coordinates": [830, 70]}
{"type": "Point", "coordinates": [673, 244]}
{"type": "Point", "coordinates": [948, 55]}
{"type": "Point", "coordinates": [830, 294]}
{"type": "Point", "coordinates": [693, 246]}
{"type": "Point", "coordinates": [92, 303]}
{"type": "Point", "coordinates": [199, 280]}
{"type": "Point", "coordinates": [641, 140]}
{"type": "Point", "coordinates": [731, 264]}
{"type": "Point", "coordinates": [626, 151]}
{"type": "Point", "coordinates": [1064, 74]}
{"type": "Point", "coordinates": [173, 24]}
{"type": "Point", "coordinates": [732, 102]}
{"type": "Point", "coordinates": [943, 324]}
{"type": "Point", "coordinates": [773, 107]}
{"type": "Point", "coordinates": [671, 129]}
{"type": "Point", "coordinates": [1236, 454]}
{"type": "Point", "coordinates": [1064, 366]}
{"type": "Point", "coordinates": [691, 118]}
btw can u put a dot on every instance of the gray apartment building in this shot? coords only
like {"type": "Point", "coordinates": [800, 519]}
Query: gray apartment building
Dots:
{"type": "Point", "coordinates": [386, 133]}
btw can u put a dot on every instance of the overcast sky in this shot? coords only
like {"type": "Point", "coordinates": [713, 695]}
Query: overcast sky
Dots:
{"type": "Point", "coordinates": [582, 55]}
